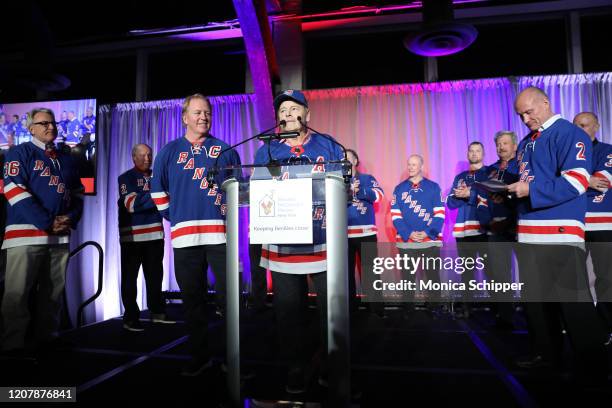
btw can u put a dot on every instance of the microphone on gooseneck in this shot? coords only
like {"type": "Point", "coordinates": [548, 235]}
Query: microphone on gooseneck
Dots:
{"type": "Point", "coordinates": [212, 172]}
{"type": "Point", "coordinates": [278, 135]}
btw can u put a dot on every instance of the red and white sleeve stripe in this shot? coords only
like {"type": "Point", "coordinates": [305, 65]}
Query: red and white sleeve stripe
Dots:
{"type": "Point", "coordinates": [14, 193]}
{"type": "Point", "coordinates": [482, 201]}
{"type": "Point", "coordinates": [439, 212]}
{"type": "Point", "coordinates": [605, 175]}
{"type": "Point", "coordinates": [578, 177]}
{"type": "Point", "coordinates": [161, 200]}
{"type": "Point", "coordinates": [379, 194]}
{"type": "Point", "coordinates": [129, 202]}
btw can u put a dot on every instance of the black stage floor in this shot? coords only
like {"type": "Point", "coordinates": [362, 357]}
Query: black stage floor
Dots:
{"type": "Point", "coordinates": [396, 361]}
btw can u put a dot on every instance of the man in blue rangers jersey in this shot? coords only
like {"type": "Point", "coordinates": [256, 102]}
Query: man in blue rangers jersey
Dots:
{"type": "Point", "coordinates": [22, 134]}
{"type": "Point", "coordinates": [89, 121]}
{"type": "Point", "coordinates": [43, 189]}
{"type": "Point", "coordinates": [291, 264]}
{"type": "Point", "coordinates": [62, 127]}
{"type": "Point", "coordinates": [5, 137]}
{"type": "Point", "coordinates": [196, 212]}
{"type": "Point", "coordinates": [417, 212]}
{"type": "Point", "coordinates": [141, 234]}
{"type": "Point", "coordinates": [366, 192]}
{"type": "Point", "coordinates": [467, 229]}
{"type": "Point", "coordinates": [12, 125]}
{"type": "Point", "coordinates": [598, 219]}
{"type": "Point", "coordinates": [73, 130]}
{"type": "Point", "coordinates": [554, 162]}
{"type": "Point", "coordinates": [89, 132]}
{"type": "Point", "coordinates": [497, 214]}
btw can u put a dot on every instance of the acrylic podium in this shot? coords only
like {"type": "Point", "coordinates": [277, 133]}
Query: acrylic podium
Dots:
{"type": "Point", "coordinates": [328, 190]}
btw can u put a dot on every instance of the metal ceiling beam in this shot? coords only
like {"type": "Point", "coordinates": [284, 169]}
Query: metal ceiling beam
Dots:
{"type": "Point", "coordinates": [255, 28]}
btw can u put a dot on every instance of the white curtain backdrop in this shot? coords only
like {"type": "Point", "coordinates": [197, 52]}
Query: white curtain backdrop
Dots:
{"type": "Point", "coordinates": [384, 124]}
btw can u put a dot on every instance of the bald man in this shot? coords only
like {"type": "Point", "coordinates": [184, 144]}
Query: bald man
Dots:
{"type": "Point", "coordinates": [141, 235]}
{"type": "Point", "coordinates": [554, 161]}
{"type": "Point", "coordinates": [418, 213]}
{"type": "Point", "coordinates": [597, 221]}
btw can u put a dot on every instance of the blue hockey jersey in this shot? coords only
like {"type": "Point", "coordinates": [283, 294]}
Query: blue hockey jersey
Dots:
{"type": "Point", "coordinates": [599, 205]}
{"type": "Point", "coordinates": [361, 221]}
{"type": "Point", "coordinates": [4, 136]}
{"type": "Point", "coordinates": [180, 191]}
{"type": "Point", "coordinates": [22, 134]}
{"type": "Point", "coordinates": [62, 131]}
{"type": "Point", "coordinates": [466, 223]}
{"type": "Point", "coordinates": [139, 219]}
{"type": "Point", "coordinates": [302, 258]}
{"type": "Point", "coordinates": [555, 162]}
{"type": "Point", "coordinates": [38, 188]}
{"type": "Point", "coordinates": [487, 211]}
{"type": "Point", "coordinates": [418, 207]}
{"type": "Point", "coordinates": [89, 124]}
{"type": "Point", "coordinates": [73, 132]}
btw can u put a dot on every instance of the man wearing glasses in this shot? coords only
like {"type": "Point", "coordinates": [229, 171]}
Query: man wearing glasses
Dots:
{"type": "Point", "coordinates": [43, 189]}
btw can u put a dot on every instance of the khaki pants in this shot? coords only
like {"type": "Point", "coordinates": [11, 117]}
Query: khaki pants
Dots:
{"type": "Point", "coordinates": [27, 266]}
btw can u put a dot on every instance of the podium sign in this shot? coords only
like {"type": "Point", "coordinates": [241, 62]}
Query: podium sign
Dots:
{"type": "Point", "coordinates": [281, 211]}
{"type": "Point", "coordinates": [283, 200]}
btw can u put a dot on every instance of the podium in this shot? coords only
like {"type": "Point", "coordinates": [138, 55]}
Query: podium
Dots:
{"type": "Point", "coordinates": [328, 190]}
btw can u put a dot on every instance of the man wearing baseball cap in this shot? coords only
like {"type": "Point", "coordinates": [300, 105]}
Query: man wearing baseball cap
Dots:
{"type": "Point", "coordinates": [291, 264]}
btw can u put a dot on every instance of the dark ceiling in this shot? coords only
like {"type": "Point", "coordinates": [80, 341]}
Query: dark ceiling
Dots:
{"type": "Point", "coordinates": [72, 22]}
{"type": "Point", "coordinates": [87, 21]}
{"type": "Point", "coordinates": [40, 47]}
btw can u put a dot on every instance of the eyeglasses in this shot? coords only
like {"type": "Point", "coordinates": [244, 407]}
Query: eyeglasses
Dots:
{"type": "Point", "coordinates": [45, 123]}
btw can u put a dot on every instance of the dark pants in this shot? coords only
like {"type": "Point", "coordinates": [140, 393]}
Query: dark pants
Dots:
{"type": "Point", "coordinates": [431, 274]}
{"type": "Point", "coordinates": [259, 284]}
{"type": "Point", "coordinates": [500, 269]}
{"type": "Point", "coordinates": [562, 267]}
{"type": "Point", "coordinates": [290, 305]}
{"type": "Point", "coordinates": [429, 252]}
{"type": "Point", "coordinates": [599, 244]}
{"type": "Point", "coordinates": [473, 244]}
{"type": "Point", "coordinates": [190, 269]}
{"type": "Point", "coordinates": [367, 258]}
{"type": "Point", "coordinates": [149, 254]}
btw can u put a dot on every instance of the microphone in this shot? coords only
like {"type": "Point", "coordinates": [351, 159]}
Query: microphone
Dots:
{"type": "Point", "coordinates": [214, 171]}
{"type": "Point", "coordinates": [278, 135]}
